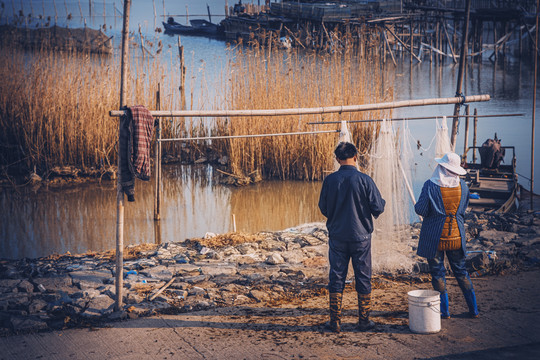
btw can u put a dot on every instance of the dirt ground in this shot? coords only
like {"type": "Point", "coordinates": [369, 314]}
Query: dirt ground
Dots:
{"type": "Point", "coordinates": [508, 328]}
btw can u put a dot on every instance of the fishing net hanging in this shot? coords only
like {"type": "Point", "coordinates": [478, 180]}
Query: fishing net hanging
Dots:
{"type": "Point", "coordinates": [390, 248]}
{"type": "Point", "coordinates": [344, 136]}
{"type": "Point", "coordinates": [442, 139]}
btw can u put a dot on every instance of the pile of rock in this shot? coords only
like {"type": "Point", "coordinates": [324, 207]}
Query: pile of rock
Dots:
{"type": "Point", "coordinates": [55, 292]}
{"type": "Point", "coordinates": [219, 270]}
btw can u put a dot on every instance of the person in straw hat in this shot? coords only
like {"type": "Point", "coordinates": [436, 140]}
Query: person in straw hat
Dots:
{"type": "Point", "coordinates": [442, 203]}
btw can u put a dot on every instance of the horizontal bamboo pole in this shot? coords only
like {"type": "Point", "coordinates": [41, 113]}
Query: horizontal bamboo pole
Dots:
{"type": "Point", "coordinates": [414, 118]}
{"type": "Point", "coordinates": [316, 110]}
{"type": "Point", "coordinates": [250, 136]}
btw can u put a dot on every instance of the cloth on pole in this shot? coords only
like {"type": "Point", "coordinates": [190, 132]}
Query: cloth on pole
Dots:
{"type": "Point", "coordinates": [136, 131]}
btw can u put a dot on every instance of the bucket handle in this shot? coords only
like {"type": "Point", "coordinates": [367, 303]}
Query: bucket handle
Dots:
{"type": "Point", "coordinates": [430, 305]}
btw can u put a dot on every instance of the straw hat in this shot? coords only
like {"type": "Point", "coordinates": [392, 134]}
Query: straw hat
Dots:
{"type": "Point", "coordinates": [451, 161]}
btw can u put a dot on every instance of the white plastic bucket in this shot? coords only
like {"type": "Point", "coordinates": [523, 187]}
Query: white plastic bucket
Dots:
{"type": "Point", "coordinates": [424, 311]}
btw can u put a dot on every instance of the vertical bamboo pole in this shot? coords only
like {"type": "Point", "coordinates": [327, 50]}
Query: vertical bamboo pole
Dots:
{"type": "Point", "coordinates": [187, 15]}
{"type": "Point", "coordinates": [534, 103]}
{"type": "Point", "coordinates": [412, 41]}
{"type": "Point", "coordinates": [466, 140]}
{"type": "Point", "coordinates": [155, 15]}
{"type": "Point", "coordinates": [80, 9]}
{"type": "Point", "coordinates": [55, 12]}
{"type": "Point", "coordinates": [462, 60]}
{"type": "Point", "coordinates": [182, 87]}
{"type": "Point", "coordinates": [157, 155]}
{"type": "Point", "coordinates": [119, 193]}
{"type": "Point", "coordinates": [475, 125]}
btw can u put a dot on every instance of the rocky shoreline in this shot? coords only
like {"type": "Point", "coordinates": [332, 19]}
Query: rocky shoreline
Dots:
{"type": "Point", "coordinates": [270, 268]}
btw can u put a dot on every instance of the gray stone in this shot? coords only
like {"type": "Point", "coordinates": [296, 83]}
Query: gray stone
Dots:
{"type": "Point", "coordinates": [98, 306]}
{"type": "Point", "coordinates": [195, 279]}
{"type": "Point", "coordinates": [496, 236]}
{"type": "Point", "coordinates": [53, 283]}
{"type": "Point", "coordinates": [22, 324]}
{"type": "Point", "coordinates": [272, 245]}
{"type": "Point", "coordinates": [145, 263]}
{"type": "Point", "coordinates": [118, 315]}
{"type": "Point", "coordinates": [274, 259]}
{"type": "Point", "coordinates": [36, 305]}
{"type": "Point", "coordinates": [133, 298]}
{"type": "Point", "coordinates": [319, 250]}
{"type": "Point", "coordinates": [7, 285]}
{"type": "Point", "coordinates": [526, 242]}
{"type": "Point", "coordinates": [25, 286]}
{"type": "Point", "coordinates": [245, 259]}
{"type": "Point", "coordinates": [241, 299]}
{"type": "Point", "coordinates": [293, 257]}
{"type": "Point", "coordinates": [158, 272]}
{"type": "Point", "coordinates": [259, 295]}
{"type": "Point", "coordinates": [247, 248]}
{"type": "Point", "coordinates": [194, 291]}
{"type": "Point", "coordinates": [85, 278]}
{"type": "Point", "coordinates": [14, 300]}
{"type": "Point", "coordinates": [91, 293]}
{"type": "Point", "coordinates": [180, 269]}
{"type": "Point", "coordinates": [218, 269]}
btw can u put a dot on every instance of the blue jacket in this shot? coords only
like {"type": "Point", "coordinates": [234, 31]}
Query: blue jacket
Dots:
{"type": "Point", "coordinates": [430, 205]}
{"type": "Point", "coordinates": [350, 199]}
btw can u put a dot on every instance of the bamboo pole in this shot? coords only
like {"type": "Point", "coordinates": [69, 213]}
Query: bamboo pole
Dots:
{"type": "Point", "coordinates": [182, 87]}
{"type": "Point", "coordinates": [388, 45]}
{"type": "Point", "coordinates": [534, 105]}
{"type": "Point", "coordinates": [316, 110]}
{"type": "Point", "coordinates": [402, 43]}
{"type": "Point", "coordinates": [413, 118]}
{"type": "Point", "coordinates": [249, 136]}
{"type": "Point", "coordinates": [462, 60]}
{"type": "Point", "coordinates": [466, 140]}
{"type": "Point", "coordinates": [449, 42]}
{"type": "Point", "coordinates": [475, 126]}
{"type": "Point", "coordinates": [157, 161]}
{"type": "Point", "coordinates": [119, 193]}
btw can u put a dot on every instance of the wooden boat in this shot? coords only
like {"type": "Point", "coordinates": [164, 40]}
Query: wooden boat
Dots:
{"type": "Point", "coordinates": [197, 27]}
{"type": "Point", "coordinates": [493, 190]}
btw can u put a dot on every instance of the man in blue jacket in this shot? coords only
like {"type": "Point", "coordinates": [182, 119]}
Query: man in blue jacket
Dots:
{"type": "Point", "coordinates": [350, 200]}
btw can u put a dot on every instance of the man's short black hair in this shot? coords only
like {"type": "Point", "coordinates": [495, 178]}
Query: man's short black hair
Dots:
{"type": "Point", "coordinates": [345, 150]}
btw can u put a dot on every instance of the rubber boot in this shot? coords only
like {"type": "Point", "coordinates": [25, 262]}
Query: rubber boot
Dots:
{"type": "Point", "coordinates": [470, 298]}
{"type": "Point", "coordinates": [445, 313]}
{"type": "Point", "coordinates": [335, 313]}
{"type": "Point", "coordinates": [364, 308]}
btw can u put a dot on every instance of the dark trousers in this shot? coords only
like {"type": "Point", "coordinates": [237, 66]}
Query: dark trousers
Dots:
{"type": "Point", "coordinates": [457, 263]}
{"type": "Point", "coordinates": [339, 255]}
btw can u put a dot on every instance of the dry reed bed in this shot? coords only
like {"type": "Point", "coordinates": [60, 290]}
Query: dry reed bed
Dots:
{"type": "Point", "coordinates": [54, 107]}
{"type": "Point", "coordinates": [262, 78]}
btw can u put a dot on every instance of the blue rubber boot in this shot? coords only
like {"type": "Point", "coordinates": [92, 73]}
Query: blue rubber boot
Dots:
{"type": "Point", "coordinates": [445, 313]}
{"type": "Point", "coordinates": [470, 298]}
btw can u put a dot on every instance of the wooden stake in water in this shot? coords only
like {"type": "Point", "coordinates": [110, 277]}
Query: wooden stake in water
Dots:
{"type": "Point", "coordinates": [462, 60]}
{"type": "Point", "coordinates": [119, 281]}
{"type": "Point", "coordinates": [534, 103]}
{"type": "Point", "coordinates": [157, 161]}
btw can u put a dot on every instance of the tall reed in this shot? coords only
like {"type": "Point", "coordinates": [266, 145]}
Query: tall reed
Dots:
{"type": "Point", "coordinates": [54, 106]}
{"type": "Point", "coordinates": [262, 78]}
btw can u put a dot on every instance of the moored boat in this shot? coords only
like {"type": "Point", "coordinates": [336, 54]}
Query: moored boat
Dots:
{"type": "Point", "coordinates": [197, 27]}
{"type": "Point", "coordinates": [493, 189]}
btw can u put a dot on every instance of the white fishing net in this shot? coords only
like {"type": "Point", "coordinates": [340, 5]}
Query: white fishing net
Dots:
{"type": "Point", "coordinates": [390, 245]}
{"type": "Point", "coordinates": [442, 139]}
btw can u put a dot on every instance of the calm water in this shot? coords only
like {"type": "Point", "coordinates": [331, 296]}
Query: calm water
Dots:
{"type": "Point", "coordinates": [81, 218]}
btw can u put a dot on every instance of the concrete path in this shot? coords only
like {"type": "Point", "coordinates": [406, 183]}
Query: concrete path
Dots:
{"type": "Point", "coordinates": [509, 328]}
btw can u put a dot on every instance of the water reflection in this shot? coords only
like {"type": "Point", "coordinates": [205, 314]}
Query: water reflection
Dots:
{"type": "Point", "coordinates": [82, 218]}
